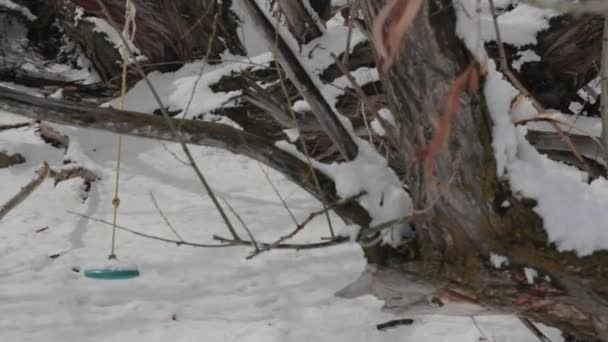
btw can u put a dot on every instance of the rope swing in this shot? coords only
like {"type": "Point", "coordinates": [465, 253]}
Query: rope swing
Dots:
{"type": "Point", "coordinates": [114, 269]}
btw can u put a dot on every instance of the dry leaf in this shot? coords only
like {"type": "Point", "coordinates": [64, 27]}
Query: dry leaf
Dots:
{"type": "Point", "coordinates": [388, 45]}
{"type": "Point", "coordinates": [467, 80]}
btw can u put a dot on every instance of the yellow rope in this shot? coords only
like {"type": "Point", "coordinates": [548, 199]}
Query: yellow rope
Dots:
{"type": "Point", "coordinates": [129, 22]}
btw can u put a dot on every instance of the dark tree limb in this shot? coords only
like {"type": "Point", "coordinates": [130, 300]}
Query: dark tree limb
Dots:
{"type": "Point", "coordinates": [302, 24]}
{"type": "Point", "coordinates": [193, 132]}
{"type": "Point", "coordinates": [305, 85]}
{"type": "Point", "coordinates": [223, 241]}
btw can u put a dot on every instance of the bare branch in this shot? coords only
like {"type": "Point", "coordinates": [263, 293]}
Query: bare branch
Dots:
{"type": "Point", "coordinates": [165, 217]}
{"type": "Point", "coordinates": [604, 87]}
{"type": "Point", "coordinates": [168, 120]}
{"type": "Point", "coordinates": [15, 126]}
{"type": "Point", "coordinates": [294, 246]}
{"type": "Point", "coordinates": [305, 85]}
{"type": "Point", "coordinates": [25, 191]}
{"type": "Point", "coordinates": [148, 236]}
{"type": "Point", "coordinates": [196, 132]}
{"type": "Point", "coordinates": [304, 223]}
{"type": "Point", "coordinates": [227, 242]}
{"type": "Point", "coordinates": [530, 326]}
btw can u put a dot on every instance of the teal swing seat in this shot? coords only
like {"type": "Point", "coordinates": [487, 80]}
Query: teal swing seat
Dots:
{"type": "Point", "coordinates": [112, 271]}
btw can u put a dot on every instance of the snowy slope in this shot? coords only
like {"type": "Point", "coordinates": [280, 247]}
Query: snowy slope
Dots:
{"type": "Point", "coordinates": [213, 294]}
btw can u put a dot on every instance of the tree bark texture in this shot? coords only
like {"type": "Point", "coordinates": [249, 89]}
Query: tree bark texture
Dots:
{"type": "Point", "coordinates": [301, 22]}
{"type": "Point", "coordinates": [462, 220]}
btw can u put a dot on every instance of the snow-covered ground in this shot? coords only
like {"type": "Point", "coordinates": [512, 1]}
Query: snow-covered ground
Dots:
{"type": "Point", "coordinates": [183, 293]}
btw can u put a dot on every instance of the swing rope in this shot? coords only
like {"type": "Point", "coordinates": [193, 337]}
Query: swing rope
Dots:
{"type": "Point", "coordinates": [128, 31]}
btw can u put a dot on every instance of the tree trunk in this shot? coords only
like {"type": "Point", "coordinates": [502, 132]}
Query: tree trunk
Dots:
{"type": "Point", "coordinates": [462, 219]}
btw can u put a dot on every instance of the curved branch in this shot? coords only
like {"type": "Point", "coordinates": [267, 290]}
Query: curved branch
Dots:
{"type": "Point", "coordinates": [192, 132]}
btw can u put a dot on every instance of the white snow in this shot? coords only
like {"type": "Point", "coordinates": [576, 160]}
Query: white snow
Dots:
{"type": "Point", "coordinates": [518, 26]}
{"type": "Point", "coordinates": [292, 134]}
{"type": "Point", "coordinates": [339, 3]}
{"type": "Point", "coordinates": [591, 92]}
{"type": "Point", "coordinates": [531, 275]}
{"type": "Point", "coordinates": [58, 94]}
{"type": "Point", "coordinates": [113, 36]}
{"type": "Point", "coordinates": [175, 88]}
{"type": "Point", "coordinates": [385, 199]}
{"type": "Point", "coordinates": [183, 293]}
{"type": "Point", "coordinates": [16, 7]}
{"type": "Point", "coordinates": [581, 125]}
{"type": "Point", "coordinates": [525, 57]}
{"type": "Point", "coordinates": [377, 127]}
{"type": "Point", "coordinates": [498, 261]}
{"type": "Point", "coordinates": [573, 222]}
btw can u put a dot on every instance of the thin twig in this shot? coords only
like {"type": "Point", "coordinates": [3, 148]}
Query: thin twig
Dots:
{"type": "Point", "coordinates": [25, 191]}
{"type": "Point", "coordinates": [352, 12]}
{"type": "Point", "coordinates": [170, 123]}
{"type": "Point", "coordinates": [255, 244]}
{"type": "Point", "coordinates": [15, 126]}
{"type": "Point", "coordinates": [368, 102]}
{"type": "Point", "coordinates": [305, 149]}
{"type": "Point", "coordinates": [276, 191]}
{"type": "Point", "coordinates": [504, 68]}
{"type": "Point", "coordinates": [201, 72]}
{"type": "Point", "coordinates": [374, 229]}
{"type": "Point", "coordinates": [571, 126]}
{"type": "Point", "coordinates": [539, 334]}
{"type": "Point", "coordinates": [394, 323]}
{"type": "Point", "coordinates": [304, 223]}
{"type": "Point", "coordinates": [479, 328]}
{"type": "Point", "coordinates": [173, 154]}
{"type": "Point", "coordinates": [227, 242]}
{"type": "Point", "coordinates": [293, 246]}
{"type": "Point", "coordinates": [604, 87]}
{"type": "Point", "coordinates": [148, 236]}
{"type": "Point", "coordinates": [165, 217]}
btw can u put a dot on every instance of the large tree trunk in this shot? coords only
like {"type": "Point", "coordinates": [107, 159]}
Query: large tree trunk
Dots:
{"type": "Point", "coordinates": [463, 220]}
